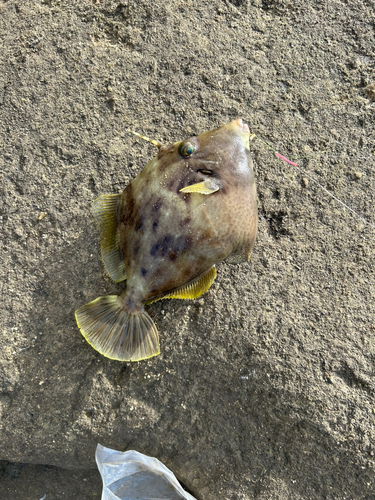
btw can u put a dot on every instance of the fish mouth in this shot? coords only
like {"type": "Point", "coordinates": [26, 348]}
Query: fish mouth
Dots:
{"type": "Point", "coordinates": [242, 129]}
{"type": "Point", "coordinates": [242, 125]}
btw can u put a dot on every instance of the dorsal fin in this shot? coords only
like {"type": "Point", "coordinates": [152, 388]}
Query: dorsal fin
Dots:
{"type": "Point", "coordinates": [105, 209]}
{"type": "Point", "coordinates": [192, 290]}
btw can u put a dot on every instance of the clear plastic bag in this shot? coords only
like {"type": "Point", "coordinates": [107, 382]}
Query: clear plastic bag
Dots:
{"type": "Point", "coordinates": [130, 475]}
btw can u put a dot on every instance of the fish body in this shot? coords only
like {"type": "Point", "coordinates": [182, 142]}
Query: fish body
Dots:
{"type": "Point", "coordinates": [193, 206]}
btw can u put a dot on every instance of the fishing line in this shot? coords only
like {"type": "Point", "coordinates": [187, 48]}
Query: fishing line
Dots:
{"type": "Point", "coordinates": [253, 136]}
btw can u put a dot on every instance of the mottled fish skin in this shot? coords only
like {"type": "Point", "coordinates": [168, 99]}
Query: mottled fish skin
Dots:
{"type": "Point", "coordinates": [168, 238]}
{"type": "Point", "coordinates": [192, 206]}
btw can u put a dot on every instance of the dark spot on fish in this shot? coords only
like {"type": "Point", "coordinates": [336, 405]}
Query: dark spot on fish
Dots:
{"type": "Point", "coordinates": [138, 223]}
{"type": "Point", "coordinates": [163, 165]}
{"type": "Point", "coordinates": [157, 205]}
{"type": "Point", "coordinates": [136, 248]}
{"type": "Point", "coordinates": [130, 303]}
{"type": "Point", "coordinates": [154, 226]}
{"type": "Point", "coordinates": [183, 243]}
{"type": "Point", "coordinates": [171, 185]}
{"type": "Point", "coordinates": [171, 247]}
{"type": "Point", "coordinates": [143, 271]}
{"type": "Point", "coordinates": [185, 222]}
{"type": "Point", "coordinates": [162, 246]}
{"type": "Point", "coordinates": [129, 211]}
{"type": "Point", "coordinates": [181, 185]}
{"type": "Point", "coordinates": [186, 197]}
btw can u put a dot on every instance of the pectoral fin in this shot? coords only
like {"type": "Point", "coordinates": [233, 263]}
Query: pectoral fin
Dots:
{"type": "Point", "coordinates": [209, 186]}
{"type": "Point", "coordinates": [194, 289]}
{"type": "Point", "coordinates": [105, 210]}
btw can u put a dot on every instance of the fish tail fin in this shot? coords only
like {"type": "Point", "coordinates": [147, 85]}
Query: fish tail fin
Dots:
{"type": "Point", "coordinates": [116, 332]}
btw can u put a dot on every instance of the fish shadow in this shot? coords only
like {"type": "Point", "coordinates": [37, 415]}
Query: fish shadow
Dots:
{"type": "Point", "coordinates": [278, 439]}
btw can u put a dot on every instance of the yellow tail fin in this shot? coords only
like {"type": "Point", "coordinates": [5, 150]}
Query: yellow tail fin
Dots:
{"type": "Point", "coordinates": [117, 333]}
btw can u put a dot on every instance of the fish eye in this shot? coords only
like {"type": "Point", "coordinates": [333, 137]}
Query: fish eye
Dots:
{"type": "Point", "coordinates": [186, 149]}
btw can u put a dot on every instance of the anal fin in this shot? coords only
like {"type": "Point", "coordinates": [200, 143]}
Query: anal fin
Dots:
{"type": "Point", "coordinates": [192, 290]}
{"type": "Point", "coordinates": [105, 210]}
{"type": "Point", "coordinates": [117, 333]}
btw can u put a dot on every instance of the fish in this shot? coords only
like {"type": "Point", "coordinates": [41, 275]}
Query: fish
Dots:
{"type": "Point", "coordinates": [193, 206]}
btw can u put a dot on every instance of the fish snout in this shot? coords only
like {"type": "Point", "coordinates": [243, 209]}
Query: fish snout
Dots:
{"type": "Point", "coordinates": [241, 129]}
{"type": "Point", "coordinates": [238, 127]}
{"type": "Point", "coordinates": [242, 125]}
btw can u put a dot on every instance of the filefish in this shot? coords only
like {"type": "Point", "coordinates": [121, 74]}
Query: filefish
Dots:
{"type": "Point", "coordinates": [192, 206]}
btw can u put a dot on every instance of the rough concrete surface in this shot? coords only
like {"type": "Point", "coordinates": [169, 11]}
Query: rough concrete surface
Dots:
{"type": "Point", "coordinates": [264, 388]}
